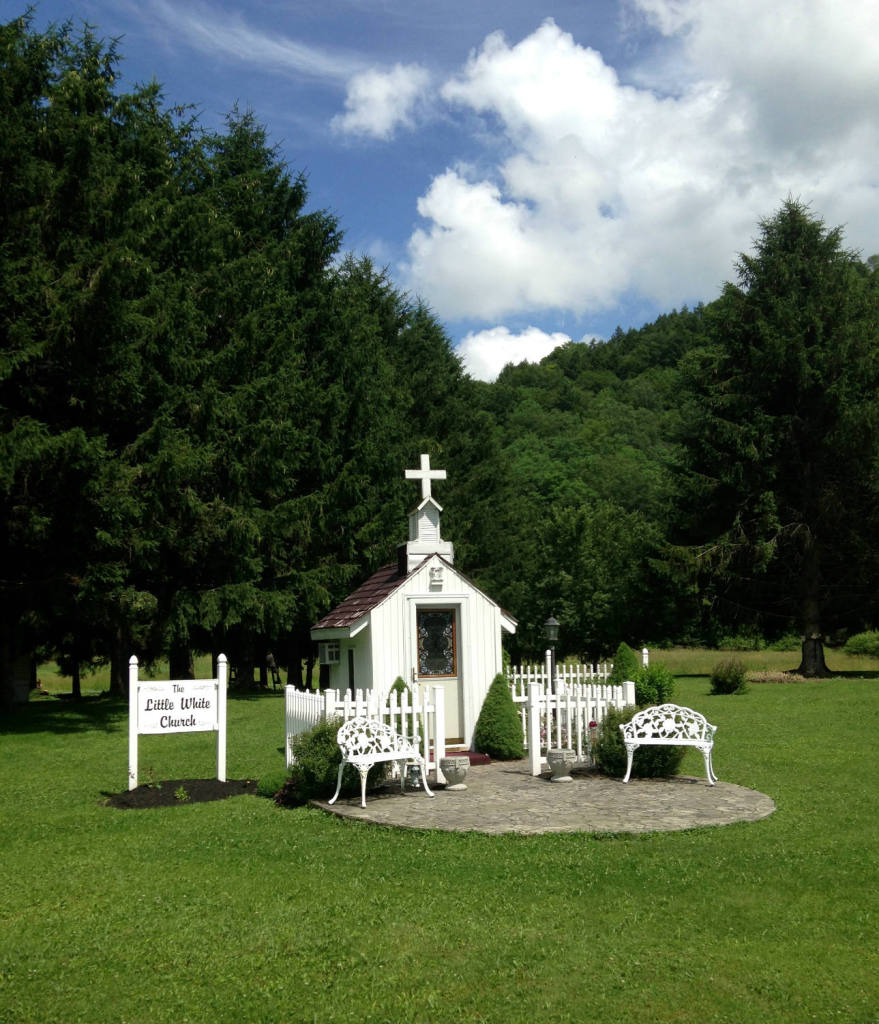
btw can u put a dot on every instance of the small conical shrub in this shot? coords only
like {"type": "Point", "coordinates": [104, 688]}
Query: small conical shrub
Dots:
{"type": "Point", "coordinates": [625, 666]}
{"type": "Point", "coordinates": [498, 730]}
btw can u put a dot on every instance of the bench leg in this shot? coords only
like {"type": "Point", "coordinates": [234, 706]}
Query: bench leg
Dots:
{"type": "Point", "coordinates": [709, 767]}
{"type": "Point", "coordinates": [631, 752]}
{"type": "Point", "coordinates": [363, 773]}
{"type": "Point", "coordinates": [424, 779]}
{"type": "Point", "coordinates": [335, 796]}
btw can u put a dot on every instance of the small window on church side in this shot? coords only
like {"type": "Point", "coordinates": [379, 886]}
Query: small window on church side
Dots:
{"type": "Point", "coordinates": [437, 650]}
{"type": "Point", "coordinates": [329, 652]}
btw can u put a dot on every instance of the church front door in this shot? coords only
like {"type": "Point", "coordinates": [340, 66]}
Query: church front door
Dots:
{"type": "Point", "coordinates": [438, 660]}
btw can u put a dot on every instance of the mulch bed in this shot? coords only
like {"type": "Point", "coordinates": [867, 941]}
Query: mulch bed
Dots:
{"type": "Point", "coordinates": [169, 794]}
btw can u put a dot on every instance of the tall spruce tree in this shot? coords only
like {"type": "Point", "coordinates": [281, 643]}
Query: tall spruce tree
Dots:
{"type": "Point", "coordinates": [203, 421]}
{"type": "Point", "coordinates": [782, 438]}
{"type": "Point", "coordinates": [80, 169]}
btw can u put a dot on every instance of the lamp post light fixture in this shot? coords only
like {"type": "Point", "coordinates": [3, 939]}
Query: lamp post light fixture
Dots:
{"type": "Point", "coordinates": [551, 631]}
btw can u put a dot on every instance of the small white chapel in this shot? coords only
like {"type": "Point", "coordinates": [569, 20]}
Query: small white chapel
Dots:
{"type": "Point", "coordinates": [421, 619]}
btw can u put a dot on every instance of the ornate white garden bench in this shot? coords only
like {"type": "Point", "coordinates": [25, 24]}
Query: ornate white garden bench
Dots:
{"type": "Point", "coordinates": [364, 742]}
{"type": "Point", "coordinates": [673, 726]}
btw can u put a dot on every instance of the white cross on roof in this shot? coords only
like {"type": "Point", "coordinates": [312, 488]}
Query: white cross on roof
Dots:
{"type": "Point", "coordinates": [425, 475]}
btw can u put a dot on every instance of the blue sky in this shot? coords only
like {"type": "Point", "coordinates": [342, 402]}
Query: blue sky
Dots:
{"type": "Point", "coordinates": [536, 172]}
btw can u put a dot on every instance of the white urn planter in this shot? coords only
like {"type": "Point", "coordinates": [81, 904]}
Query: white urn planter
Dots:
{"type": "Point", "coordinates": [455, 770]}
{"type": "Point", "coordinates": [560, 764]}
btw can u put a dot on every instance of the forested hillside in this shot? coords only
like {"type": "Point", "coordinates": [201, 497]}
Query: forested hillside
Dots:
{"type": "Point", "coordinates": [205, 412]}
{"type": "Point", "coordinates": [712, 473]}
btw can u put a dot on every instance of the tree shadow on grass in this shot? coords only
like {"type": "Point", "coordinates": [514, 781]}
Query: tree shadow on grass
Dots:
{"type": "Point", "coordinates": [91, 714]}
{"type": "Point", "coordinates": [99, 713]}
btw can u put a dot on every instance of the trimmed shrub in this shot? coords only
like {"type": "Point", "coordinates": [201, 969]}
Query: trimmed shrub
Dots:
{"type": "Point", "coordinates": [729, 676]}
{"type": "Point", "coordinates": [863, 644]}
{"type": "Point", "coordinates": [648, 763]}
{"type": "Point", "coordinates": [498, 730]}
{"type": "Point", "coordinates": [269, 784]}
{"type": "Point", "coordinates": [291, 792]}
{"type": "Point", "coordinates": [318, 757]}
{"type": "Point", "coordinates": [654, 684]}
{"type": "Point", "coordinates": [625, 666]}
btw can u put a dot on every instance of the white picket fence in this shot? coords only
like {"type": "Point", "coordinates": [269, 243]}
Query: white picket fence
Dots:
{"type": "Point", "coordinates": [556, 715]}
{"type": "Point", "coordinates": [567, 675]}
{"type": "Point", "coordinates": [559, 715]}
{"type": "Point", "coordinates": [420, 714]}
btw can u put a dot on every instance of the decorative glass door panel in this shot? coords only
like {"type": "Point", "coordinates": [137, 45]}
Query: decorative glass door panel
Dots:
{"type": "Point", "coordinates": [437, 649]}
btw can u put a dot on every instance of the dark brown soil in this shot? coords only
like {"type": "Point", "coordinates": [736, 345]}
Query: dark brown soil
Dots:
{"type": "Point", "coordinates": [178, 792]}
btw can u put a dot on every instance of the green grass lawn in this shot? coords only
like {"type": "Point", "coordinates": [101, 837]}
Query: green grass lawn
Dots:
{"type": "Point", "coordinates": [240, 912]}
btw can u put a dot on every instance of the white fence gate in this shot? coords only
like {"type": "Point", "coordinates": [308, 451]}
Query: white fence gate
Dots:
{"type": "Point", "coordinates": [560, 716]}
{"type": "Point", "coordinates": [420, 715]}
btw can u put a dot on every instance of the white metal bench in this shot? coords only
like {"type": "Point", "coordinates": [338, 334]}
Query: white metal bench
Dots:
{"type": "Point", "coordinates": [365, 742]}
{"type": "Point", "coordinates": [673, 726]}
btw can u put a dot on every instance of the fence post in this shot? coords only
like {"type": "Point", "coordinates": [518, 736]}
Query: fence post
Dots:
{"type": "Point", "coordinates": [132, 722]}
{"type": "Point", "coordinates": [439, 725]}
{"type": "Point", "coordinates": [222, 671]}
{"type": "Point", "coordinates": [535, 692]}
{"type": "Point", "coordinates": [645, 657]}
{"type": "Point", "coordinates": [288, 721]}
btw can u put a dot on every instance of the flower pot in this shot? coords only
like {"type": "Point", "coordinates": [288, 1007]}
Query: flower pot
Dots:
{"type": "Point", "coordinates": [560, 764]}
{"type": "Point", "coordinates": [455, 770]}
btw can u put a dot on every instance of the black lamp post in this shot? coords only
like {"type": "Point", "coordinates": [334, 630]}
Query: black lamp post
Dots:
{"type": "Point", "coordinates": [551, 631]}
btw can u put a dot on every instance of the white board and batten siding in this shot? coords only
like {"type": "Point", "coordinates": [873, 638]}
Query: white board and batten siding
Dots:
{"type": "Point", "coordinates": [394, 633]}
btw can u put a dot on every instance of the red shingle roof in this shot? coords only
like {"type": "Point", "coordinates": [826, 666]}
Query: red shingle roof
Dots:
{"type": "Point", "coordinates": [371, 594]}
{"type": "Point", "coordinates": [364, 599]}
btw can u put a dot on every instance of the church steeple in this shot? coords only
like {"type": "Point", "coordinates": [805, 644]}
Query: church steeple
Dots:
{"type": "Point", "coordinates": [424, 519]}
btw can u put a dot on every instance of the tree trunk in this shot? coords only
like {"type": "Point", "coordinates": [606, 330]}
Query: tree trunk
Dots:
{"type": "Point", "coordinates": [118, 664]}
{"type": "Point", "coordinates": [180, 662]}
{"type": "Point", "coordinates": [813, 665]}
{"type": "Point", "coordinates": [75, 680]}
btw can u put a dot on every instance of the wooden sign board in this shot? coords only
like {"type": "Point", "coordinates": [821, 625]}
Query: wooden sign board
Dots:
{"type": "Point", "coordinates": [176, 705]}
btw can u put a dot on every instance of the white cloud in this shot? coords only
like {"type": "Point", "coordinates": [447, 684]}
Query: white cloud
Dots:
{"type": "Point", "coordinates": [378, 102]}
{"type": "Point", "coordinates": [591, 188]}
{"type": "Point", "coordinates": [486, 353]}
{"type": "Point", "coordinates": [229, 36]}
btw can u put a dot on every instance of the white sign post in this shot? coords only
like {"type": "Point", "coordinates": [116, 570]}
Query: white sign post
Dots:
{"type": "Point", "coordinates": [176, 705]}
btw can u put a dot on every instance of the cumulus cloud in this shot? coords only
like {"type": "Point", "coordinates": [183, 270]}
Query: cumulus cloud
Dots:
{"type": "Point", "coordinates": [378, 102]}
{"type": "Point", "coordinates": [591, 187]}
{"type": "Point", "coordinates": [486, 353]}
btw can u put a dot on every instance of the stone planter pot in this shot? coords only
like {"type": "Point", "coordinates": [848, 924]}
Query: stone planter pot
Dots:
{"type": "Point", "coordinates": [455, 770]}
{"type": "Point", "coordinates": [560, 764]}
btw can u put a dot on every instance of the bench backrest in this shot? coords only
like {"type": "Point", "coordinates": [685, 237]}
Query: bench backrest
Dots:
{"type": "Point", "coordinates": [359, 736]}
{"type": "Point", "coordinates": [668, 721]}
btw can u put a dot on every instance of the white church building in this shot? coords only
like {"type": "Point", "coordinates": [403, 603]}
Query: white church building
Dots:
{"type": "Point", "coordinates": [420, 619]}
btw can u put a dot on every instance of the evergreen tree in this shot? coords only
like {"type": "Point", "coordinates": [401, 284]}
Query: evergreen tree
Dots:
{"type": "Point", "coordinates": [203, 422]}
{"type": "Point", "coordinates": [782, 437]}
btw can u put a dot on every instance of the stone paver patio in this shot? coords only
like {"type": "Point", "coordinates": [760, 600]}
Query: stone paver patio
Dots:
{"type": "Point", "coordinates": [504, 797]}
